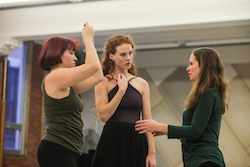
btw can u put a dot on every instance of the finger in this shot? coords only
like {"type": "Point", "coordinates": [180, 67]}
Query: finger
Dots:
{"type": "Point", "coordinates": [138, 128]}
{"type": "Point", "coordinates": [143, 131]}
{"type": "Point", "coordinates": [121, 75]}
{"type": "Point", "coordinates": [86, 24]}
{"type": "Point", "coordinates": [139, 125]}
{"type": "Point", "coordinates": [139, 122]}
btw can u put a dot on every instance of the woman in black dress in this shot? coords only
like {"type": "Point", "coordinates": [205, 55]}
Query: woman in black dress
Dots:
{"type": "Point", "coordinates": [120, 99]}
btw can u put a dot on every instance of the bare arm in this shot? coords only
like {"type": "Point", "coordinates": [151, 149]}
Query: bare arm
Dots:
{"type": "Point", "coordinates": [92, 59]}
{"type": "Point", "coordinates": [64, 77]}
{"type": "Point", "coordinates": [106, 109]}
{"type": "Point", "coordinates": [146, 110]}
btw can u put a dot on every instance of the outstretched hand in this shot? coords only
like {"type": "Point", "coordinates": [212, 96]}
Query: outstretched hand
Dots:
{"type": "Point", "coordinates": [149, 125]}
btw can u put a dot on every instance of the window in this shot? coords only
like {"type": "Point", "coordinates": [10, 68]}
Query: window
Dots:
{"type": "Point", "coordinates": [16, 98]}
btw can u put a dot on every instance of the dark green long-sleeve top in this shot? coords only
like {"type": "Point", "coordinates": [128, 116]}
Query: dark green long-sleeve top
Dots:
{"type": "Point", "coordinates": [199, 133]}
{"type": "Point", "coordinates": [63, 119]}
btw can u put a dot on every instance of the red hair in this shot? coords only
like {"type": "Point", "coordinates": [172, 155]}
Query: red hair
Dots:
{"type": "Point", "coordinates": [110, 48]}
{"type": "Point", "coordinates": [53, 48]}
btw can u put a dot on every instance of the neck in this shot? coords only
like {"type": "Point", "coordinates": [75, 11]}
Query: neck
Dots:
{"type": "Point", "coordinates": [54, 68]}
{"type": "Point", "coordinates": [125, 72]}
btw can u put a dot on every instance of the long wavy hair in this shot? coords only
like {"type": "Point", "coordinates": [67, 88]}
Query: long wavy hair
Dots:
{"type": "Point", "coordinates": [108, 65]}
{"type": "Point", "coordinates": [110, 48]}
{"type": "Point", "coordinates": [211, 76]}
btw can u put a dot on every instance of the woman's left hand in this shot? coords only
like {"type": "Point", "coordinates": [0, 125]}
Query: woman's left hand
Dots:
{"type": "Point", "coordinates": [150, 160]}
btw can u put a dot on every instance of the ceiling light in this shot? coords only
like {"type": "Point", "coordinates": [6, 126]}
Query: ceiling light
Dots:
{"type": "Point", "coordinates": [219, 42]}
{"type": "Point", "coordinates": [4, 4]}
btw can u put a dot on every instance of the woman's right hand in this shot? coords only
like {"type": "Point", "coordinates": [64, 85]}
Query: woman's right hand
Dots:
{"type": "Point", "coordinates": [88, 33]}
{"type": "Point", "coordinates": [122, 82]}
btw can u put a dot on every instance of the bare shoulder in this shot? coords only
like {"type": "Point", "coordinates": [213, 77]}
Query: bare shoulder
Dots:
{"type": "Point", "coordinates": [141, 81]}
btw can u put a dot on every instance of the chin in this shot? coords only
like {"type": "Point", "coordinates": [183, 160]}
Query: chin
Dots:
{"type": "Point", "coordinates": [127, 68]}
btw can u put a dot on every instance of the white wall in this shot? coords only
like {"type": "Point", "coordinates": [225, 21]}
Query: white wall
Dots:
{"type": "Point", "coordinates": [67, 19]}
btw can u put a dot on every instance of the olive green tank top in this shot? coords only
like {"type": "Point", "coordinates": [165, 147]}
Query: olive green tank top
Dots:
{"type": "Point", "coordinates": [63, 119]}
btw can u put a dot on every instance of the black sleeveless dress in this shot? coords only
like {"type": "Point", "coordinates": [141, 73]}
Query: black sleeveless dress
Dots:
{"type": "Point", "coordinates": [120, 145]}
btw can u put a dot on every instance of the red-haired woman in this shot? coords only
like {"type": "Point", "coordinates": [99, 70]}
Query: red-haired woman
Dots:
{"type": "Point", "coordinates": [62, 142]}
{"type": "Point", "coordinates": [120, 99]}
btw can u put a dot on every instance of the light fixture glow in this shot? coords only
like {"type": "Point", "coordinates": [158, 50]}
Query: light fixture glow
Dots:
{"type": "Point", "coordinates": [21, 3]}
{"type": "Point", "coordinates": [219, 42]}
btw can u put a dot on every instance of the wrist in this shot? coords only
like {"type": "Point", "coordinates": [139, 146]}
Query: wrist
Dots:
{"type": "Point", "coordinates": [151, 152]}
{"type": "Point", "coordinates": [87, 40]}
{"type": "Point", "coordinates": [121, 90]}
{"type": "Point", "coordinates": [164, 128]}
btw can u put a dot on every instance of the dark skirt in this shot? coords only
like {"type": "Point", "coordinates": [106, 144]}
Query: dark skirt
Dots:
{"type": "Point", "coordinates": [120, 146]}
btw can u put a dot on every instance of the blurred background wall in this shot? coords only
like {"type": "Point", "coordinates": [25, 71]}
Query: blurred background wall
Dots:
{"type": "Point", "coordinates": [165, 33]}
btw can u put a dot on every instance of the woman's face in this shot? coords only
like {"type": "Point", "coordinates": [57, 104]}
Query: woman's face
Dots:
{"type": "Point", "coordinates": [123, 57]}
{"type": "Point", "coordinates": [68, 59]}
{"type": "Point", "coordinates": [193, 69]}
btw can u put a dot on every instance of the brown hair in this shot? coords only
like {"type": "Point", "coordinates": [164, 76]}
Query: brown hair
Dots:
{"type": "Point", "coordinates": [110, 47]}
{"type": "Point", "coordinates": [211, 76]}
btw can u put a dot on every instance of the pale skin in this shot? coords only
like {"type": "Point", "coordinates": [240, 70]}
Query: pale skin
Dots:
{"type": "Point", "coordinates": [123, 59]}
{"type": "Point", "coordinates": [83, 77]}
{"type": "Point", "coordinates": [156, 128]}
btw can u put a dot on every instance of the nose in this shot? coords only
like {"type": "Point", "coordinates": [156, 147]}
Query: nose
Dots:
{"type": "Point", "coordinates": [129, 57]}
{"type": "Point", "coordinates": [75, 58]}
{"type": "Point", "coordinates": [187, 69]}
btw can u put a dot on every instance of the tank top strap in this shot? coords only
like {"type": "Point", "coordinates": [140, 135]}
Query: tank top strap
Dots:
{"type": "Point", "coordinates": [131, 79]}
{"type": "Point", "coordinates": [128, 80]}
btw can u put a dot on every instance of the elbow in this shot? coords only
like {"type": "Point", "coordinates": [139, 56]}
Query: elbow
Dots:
{"type": "Point", "coordinates": [95, 68]}
{"type": "Point", "coordinates": [195, 135]}
{"type": "Point", "coordinates": [103, 118]}
{"type": "Point", "coordinates": [100, 78]}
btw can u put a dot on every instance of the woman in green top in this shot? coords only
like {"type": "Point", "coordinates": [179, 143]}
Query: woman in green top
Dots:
{"type": "Point", "coordinates": [62, 141]}
{"type": "Point", "coordinates": [205, 105]}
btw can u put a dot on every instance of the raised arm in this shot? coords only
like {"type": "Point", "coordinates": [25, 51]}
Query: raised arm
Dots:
{"type": "Point", "coordinates": [92, 59]}
{"type": "Point", "coordinates": [64, 77]}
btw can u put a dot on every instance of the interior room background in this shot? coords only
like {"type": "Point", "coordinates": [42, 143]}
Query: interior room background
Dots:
{"type": "Point", "coordinates": [165, 33]}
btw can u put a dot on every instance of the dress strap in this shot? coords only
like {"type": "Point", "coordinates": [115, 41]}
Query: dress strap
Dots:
{"type": "Point", "coordinates": [109, 78]}
{"type": "Point", "coordinates": [131, 79]}
{"type": "Point", "coordinates": [116, 79]}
